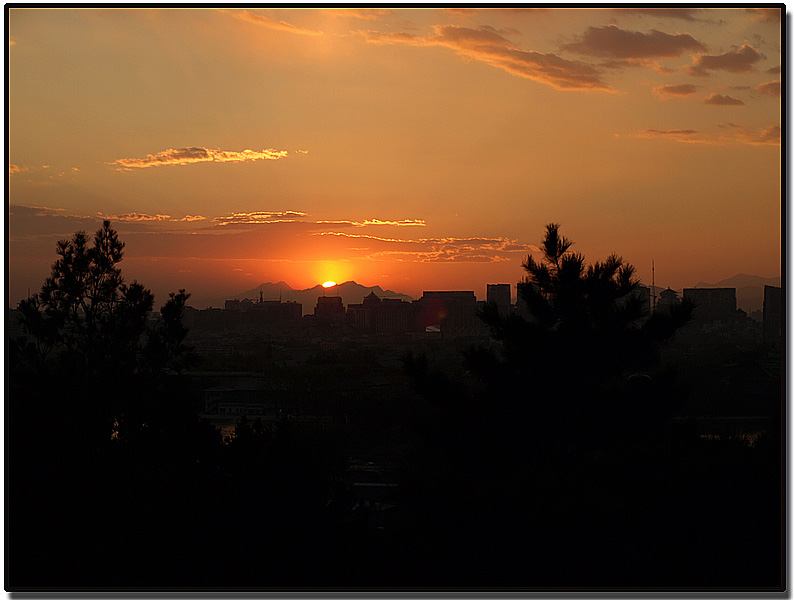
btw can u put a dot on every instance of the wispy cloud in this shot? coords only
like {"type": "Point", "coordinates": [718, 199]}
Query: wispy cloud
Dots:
{"type": "Point", "coordinates": [683, 89]}
{"type": "Point", "coordinates": [612, 42]}
{"type": "Point", "coordinates": [774, 70]}
{"type": "Point", "coordinates": [680, 135]}
{"type": "Point", "coordinates": [246, 15]}
{"type": "Point", "coordinates": [720, 100]}
{"type": "Point", "coordinates": [15, 169]}
{"type": "Point", "coordinates": [491, 48]}
{"type": "Point", "coordinates": [366, 14]}
{"type": "Point", "coordinates": [196, 154]}
{"type": "Point", "coordinates": [475, 249]}
{"type": "Point", "coordinates": [135, 216]}
{"type": "Point", "coordinates": [367, 222]}
{"type": "Point", "coordinates": [685, 14]}
{"type": "Point", "coordinates": [259, 217]}
{"type": "Point", "coordinates": [730, 134]}
{"type": "Point", "coordinates": [735, 61]}
{"type": "Point", "coordinates": [766, 15]}
{"type": "Point", "coordinates": [770, 88]}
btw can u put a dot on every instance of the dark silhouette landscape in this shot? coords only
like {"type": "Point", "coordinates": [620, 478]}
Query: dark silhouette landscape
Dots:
{"type": "Point", "coordinates": [582, 445]}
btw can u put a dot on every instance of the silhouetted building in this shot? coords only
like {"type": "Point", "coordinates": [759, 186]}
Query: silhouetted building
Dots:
{"type": "Point", "coordinates": [453, 312]}
{"type": "Point", "coordinates": [15, 328]}
{"type": "Point", "coordinates": [667, 299]}
{"type": "Point", "coordinates": [712, 304]}
{"type": "Point", "coordinates": [643, 292]}
{"type": "Point", "coordinates": [381, 315]}
{"type": "Point", "coordinates": [522, 310]}
{"type": "Point", "coordinates": [329, 307]}
{"type": "Point", "coordinates": [773, 315]}
{"type": "Point", "coordinates": [211, 319]}
{"type": "Point", "coordinates": [499, 294]}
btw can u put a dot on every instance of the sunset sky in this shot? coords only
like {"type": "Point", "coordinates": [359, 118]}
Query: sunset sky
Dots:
{"type": "Point", "coordinates": [415, 149]}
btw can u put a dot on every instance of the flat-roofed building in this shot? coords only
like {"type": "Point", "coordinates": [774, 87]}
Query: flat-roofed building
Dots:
{"type": "Point", "coordinates": [453, 312]}
{"type": "Point", "coordinates": [499, 294]}
{"type": "Point", "coordinates": [712, 304]}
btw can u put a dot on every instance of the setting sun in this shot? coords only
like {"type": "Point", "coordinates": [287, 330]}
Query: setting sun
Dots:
{"type": "Point", "coordinates": [329, 284]}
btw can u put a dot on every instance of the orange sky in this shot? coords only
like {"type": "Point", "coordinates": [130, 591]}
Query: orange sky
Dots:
{"type": "Point", "coordinates": [414, 149]}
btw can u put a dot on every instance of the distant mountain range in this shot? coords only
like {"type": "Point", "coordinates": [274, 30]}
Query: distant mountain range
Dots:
{"type": "Point", "coordinates": [749, 289]}
{"type": "Point", "coordinates": [350, 291]}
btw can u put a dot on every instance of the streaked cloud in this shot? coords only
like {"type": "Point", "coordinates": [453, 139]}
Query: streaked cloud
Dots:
{"type": "Point", "coordinates": [248, 16]}
{"type": "Point", "coordinates": [491, 48]}
{"type": "Point", "coordinates": [680, 135]}
{"type": "Point", "coordinates": [683, 89]}
{"type": "Point", "coordinates": [474, 249]}
{"type": "Point", "coordinates": [258, 217]}
{"type": "Point", "coordinates": [685, 14]}
{"type": "Point", "coordinates": [196, 154]}
{"type": "Point", "coordinates": [766, 15]}
{"type": "Point", "coordinates": [770, 88]}
{"type": "Point", "coordinates": [366, 14]}
{"type": "Point", "coordinates": [612, 42]}
{"type": "Point", "coordinates": [730, 134]}
{"type": "Point", "coordinates": [774, 70]}
{"type": "Point", "coordinates": [192, 218]}
{"type": "Point", "coordinates": [721, 100]}
{"type": "Point", "coordinates": [766, 136]}
{"type": "Point", "coordinates": [735, 61]}
{"type": "Point", "coordinates": [15, 169]}
{"type": "Point", "coordinates": [135, 216]}
{"type": "Point", "coordinates": [367, 222]}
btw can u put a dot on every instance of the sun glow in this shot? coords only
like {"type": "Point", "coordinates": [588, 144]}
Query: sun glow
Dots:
{"type": "Point", "coordinates": [329, 284]}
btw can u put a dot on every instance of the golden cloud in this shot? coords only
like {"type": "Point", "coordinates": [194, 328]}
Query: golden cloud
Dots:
{"type": "Point", "coordinates": [366, 14]}
{"type": "Point", "coordinates": [720, 100]}
{"type": "Point", "coordinates": [736, 61]}
{"type": "Point", "coordinates": [245, 15]}
{"type": "Point", "coordinates": [766, 15]}
{"type": "Point", "coordinates": [196, 154]}
{"type": "Point", "coordinates": [686, 14]}
{"type": "Point", "coordinates": [258, 217]}
{"type": "Point", "coordinates": [365, 223]}
{"type": "Point", "coordinates": [731, 134]}
{"type": "Point", "coordinates": [770, 88]}
{"type": "Point", "coordinates": [478, 249]}
{"type": "Point", "coordinates": [491, 48]}
{"type": "Point", "coordinates": [612, 42]}
{"type": "Point", "coordinates": [683, 89]}
{"type": "Point", "coordinates": [135, 217]}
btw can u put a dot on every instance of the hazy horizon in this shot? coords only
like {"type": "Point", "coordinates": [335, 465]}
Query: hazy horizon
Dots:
{"type": "Point", "coordinates": [414, 149]}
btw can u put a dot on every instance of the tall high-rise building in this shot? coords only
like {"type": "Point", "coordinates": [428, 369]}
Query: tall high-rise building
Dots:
{"type": "Point", "coordinates": [773, 315]}
{"type": "Point", "coordinates": [499, 294]}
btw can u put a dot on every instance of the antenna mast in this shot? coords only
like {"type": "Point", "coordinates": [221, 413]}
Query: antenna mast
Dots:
{"type": "Point", "coordinates": [653, 285]}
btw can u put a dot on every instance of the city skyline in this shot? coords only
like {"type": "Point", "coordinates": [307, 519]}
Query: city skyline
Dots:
{"type": "Point", "coordinates": [414, 149]}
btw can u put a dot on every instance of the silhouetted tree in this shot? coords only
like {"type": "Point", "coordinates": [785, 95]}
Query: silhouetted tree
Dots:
{"type": "Point", "coordinates": [588, 331]}
{"type": "Point", "coordinates": [93, 340]}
